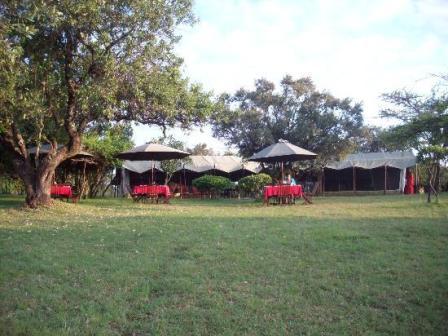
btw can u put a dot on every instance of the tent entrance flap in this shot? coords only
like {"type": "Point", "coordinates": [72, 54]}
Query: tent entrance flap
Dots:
{"type": "Point", "coordinates": [360, 179]}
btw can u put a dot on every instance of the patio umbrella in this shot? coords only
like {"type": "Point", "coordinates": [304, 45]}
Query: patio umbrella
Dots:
{"type": "Point", "coordinates": [282, 151]}
{"type": "Point", "coordinates": [45, 149]}
{"type": "Point", "coordinates": [83, 157]}
{"type": "Point", "coordinates": [154, 152]}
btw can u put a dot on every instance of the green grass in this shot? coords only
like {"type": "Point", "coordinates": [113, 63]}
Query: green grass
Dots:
{"type": "Point", "coordinates": [357, 266]}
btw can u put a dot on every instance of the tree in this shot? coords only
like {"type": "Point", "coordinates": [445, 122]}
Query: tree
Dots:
{"type": "Point", "coordinates": [298, 112]}
{"type": "Point", "coordinates": [201, 149]}
{"type": "Point", "coordinates": [212, 184]}
{"type": "Point", "coordinates": [105, 142]}
{"type": "Point", "coordinates": [169, 167]}
{"type": "Point", "coordinates": [66, 65]}
{"type": "Point", "coordinates": [254, 183]}
{"type": "Point", "coordinates": [423, 126]}
{"type": "Point", "coordinates": [372, 140]}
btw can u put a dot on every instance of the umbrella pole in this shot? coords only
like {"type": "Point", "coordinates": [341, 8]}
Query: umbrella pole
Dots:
{"type": "Point", "coordinates": [152, 174]}
{"type": "Point", "coordinates": [283, 178]}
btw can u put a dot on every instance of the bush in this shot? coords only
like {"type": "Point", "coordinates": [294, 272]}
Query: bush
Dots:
{"type": "Point", "coordinates": [211, 183]}
{"type": "Point", "coordinates": [254, 183]}
{"type": "Point", "coordinates": [9, 185]}
{"type": "Point", "coordinates": [423, 177]}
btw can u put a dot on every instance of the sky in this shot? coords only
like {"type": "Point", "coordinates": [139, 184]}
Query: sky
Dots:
{"type": "Point", "coordinates": [350, 48]}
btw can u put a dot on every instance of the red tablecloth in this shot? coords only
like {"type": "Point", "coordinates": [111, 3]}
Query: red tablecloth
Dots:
{"type": "Point", "coordinates": [282, 191]}
{"type": "Point", "coordinates": [61, 190]}
{"type": "Point", "coordinates": [161, 190]}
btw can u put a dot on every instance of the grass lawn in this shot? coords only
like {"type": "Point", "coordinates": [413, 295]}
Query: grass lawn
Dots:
{"type": "Point", "coordinates": [344, 265]}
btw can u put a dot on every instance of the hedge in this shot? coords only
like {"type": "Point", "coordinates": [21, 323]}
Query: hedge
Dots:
{"type": "Point", "coordinates": [213, 183]}
{"type": "Point", "coordinates": [254, 183]}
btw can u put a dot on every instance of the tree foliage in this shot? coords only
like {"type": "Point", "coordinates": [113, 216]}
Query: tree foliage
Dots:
{"type": "Point", "coordinates": [297, 112]}
{"type": "Point", "coordinates": [211, 183]}
{"type": "Point", "coordinates": [201, 149]}
{"type": "Point", "coordinates": [65, 65]}
{"type": "Point", "coordinates": [423, 126]}
{"type": "Point", "coordinates": [105, 142]}
{"type": "Point", "coordinates": [254, 183]}
{"type": "Point", "coordinates": [374, 139]}
{"type": "Point", "coordinates": [108, 141]}
{"type": "Point", "coordinates": [171, 166]}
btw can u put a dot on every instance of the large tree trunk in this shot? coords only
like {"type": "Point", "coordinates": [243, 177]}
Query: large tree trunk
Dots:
{"type": "Point", "coordinates": [433, 176]}
{"type": "Point", "coordinates": [37, 173]}
{"type": "Point", "coordinates": [38, 180]}
{"type": "Point", "coordinates": [437, 177]}
{"type": "Point", "coordinates": [39, 185]}
{"type": "Point", "coordinates": [39, 194]}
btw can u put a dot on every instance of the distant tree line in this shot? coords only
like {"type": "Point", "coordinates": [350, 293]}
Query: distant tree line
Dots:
{"type": "Point", "coordinates": [298, 112]}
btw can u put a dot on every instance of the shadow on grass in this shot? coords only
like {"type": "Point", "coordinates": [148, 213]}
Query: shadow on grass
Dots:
{"type": "Point", "coordinates": [126, 202]}
{"type": "Point", "coordinates": [11, 202]}
{"type": "Point", "coordinates": [8, 201]}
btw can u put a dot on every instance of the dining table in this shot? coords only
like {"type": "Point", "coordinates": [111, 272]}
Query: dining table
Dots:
{"type": "Point", "coordinates": [154, 192]}
{"type": "Point", "coordinates": [61, 191]}
{"type": "Point", "coordinates": [282, 193]}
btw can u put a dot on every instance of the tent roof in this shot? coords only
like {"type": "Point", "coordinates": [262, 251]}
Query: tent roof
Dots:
{"type": "Point", "coordinates": [282, 151]}
{"type": "Point", "coordinates": [152, 151]}
{"type": "Point", "coordinates": [224, 163]}
{"type": "Point", "coordinates": [141, 166]}
{"type": "Point", "coordinates": [199, 164]}
{"type": "Point", "coordinates": [400, 160]}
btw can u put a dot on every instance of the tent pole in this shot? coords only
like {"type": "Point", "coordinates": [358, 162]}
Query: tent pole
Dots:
{"type": "Point", "coordinates": [83, 180]}
{"type": "Point", "coordinates": [283, 177]}
{"type": "Point", "coordinates": [339, 180]}
{"type": "Point", "coordinates": [385, 179]}
{"type": "Point", "coordinates": [354, 179]}
{"type": "Point", "coordinates": [185, 180]}
{"type": "Point", "coordinates": [152, 174]}
{"type": "Point", "coordinates": [323, 181]}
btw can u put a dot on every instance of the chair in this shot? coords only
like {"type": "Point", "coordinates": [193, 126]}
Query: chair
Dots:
{"type": "Point", "coordinates": [152, 193]}
{"type": "Point", "coordinates": [64, 191]}
{"type": "Point", "coordinates": [286, 196]}
{"type": "Point", "coordinates": [138, 193]}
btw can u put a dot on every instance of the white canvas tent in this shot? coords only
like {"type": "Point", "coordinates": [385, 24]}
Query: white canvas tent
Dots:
{"type": "Point", "coordinates": [138, 167]}
{"type": "Point", "coordinates": [141, 166]}
{"type": "Point", "coordinates": [224, 163]}
{"type": "Point", "coordinates": [199, 164]}
{"type": "Point", "coordinates": [399, 160]}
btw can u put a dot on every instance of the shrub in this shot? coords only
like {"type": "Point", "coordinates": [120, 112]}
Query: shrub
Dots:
{"type": "Point", "coordinates": [254, 183]}
{"type": "Point", "coordinates": [212, 183]}
{"type": "Point", "coordinates": [9, 185]}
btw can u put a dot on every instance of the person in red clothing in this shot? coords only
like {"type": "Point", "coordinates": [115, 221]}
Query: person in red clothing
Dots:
{"type": "Point", "coordinates": [409, 187]}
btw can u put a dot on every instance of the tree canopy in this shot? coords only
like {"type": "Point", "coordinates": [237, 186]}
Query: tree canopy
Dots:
{"type": "Point", "coordinates": [297, 112]}
{"type": "Point", "coordinates": [169, 167]}
{"type": "Point", "coordinates": [201, 149]}
{"type": "Point", "coordinates": [105, 142]}
{"type": "Point", "coordinates": [422, 126]}
{"type": "Point", "coordinates": [67, 65]}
